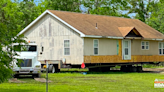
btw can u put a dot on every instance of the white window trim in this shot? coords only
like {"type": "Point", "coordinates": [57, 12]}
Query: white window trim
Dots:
{"type": "Point", "coordinates": [97, 47]}
{"type": "Point", "coordinates": [161, 48]}
{"type": "Point", "coordinates": [67, 47]}
{"type": "Point", "coordinates": [145, 45]}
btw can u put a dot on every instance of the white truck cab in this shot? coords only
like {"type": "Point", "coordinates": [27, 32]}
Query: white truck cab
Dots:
{"type": "Point", "coordinates": [29, 65]}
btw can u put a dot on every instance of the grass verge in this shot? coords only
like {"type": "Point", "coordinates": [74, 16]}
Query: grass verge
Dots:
{"type": "Point", "coordinates": [91, 82]}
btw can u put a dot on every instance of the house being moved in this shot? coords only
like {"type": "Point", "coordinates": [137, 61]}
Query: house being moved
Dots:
{"type": "Point", "coordinates": [95, 39]}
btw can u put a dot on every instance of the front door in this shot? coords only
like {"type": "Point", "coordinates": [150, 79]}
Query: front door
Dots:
{"type": "Point", "coordinates": [126, 49]}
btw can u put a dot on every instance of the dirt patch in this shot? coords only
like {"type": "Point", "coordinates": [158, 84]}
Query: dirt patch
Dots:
{"type": "Point", "coordinates": [15, 80]}
{"type": "Point", "coordinates": [42, 80]}
{"type": "Point", "coordinates": [154, 70]}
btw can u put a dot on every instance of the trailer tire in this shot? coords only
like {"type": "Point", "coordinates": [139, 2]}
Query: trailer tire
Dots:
{"type": "Point", "coordinates": [139, 68]}
{"type": "Point", "coordinates": [124, 68]}
{"type": "Point", "coordinates": [51, 69]}
{"type": "Point", "coordinates": [134, 69]}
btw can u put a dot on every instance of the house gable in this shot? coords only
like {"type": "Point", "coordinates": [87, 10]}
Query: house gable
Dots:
{"type": "Point", "coordinates": [51, 33]}
{"type": "Point", "coordinates": [133, 33]}
{"type": "Point", "coordinates": [42, 15]}
{"type": "Point", "coordinates": [129, 32]}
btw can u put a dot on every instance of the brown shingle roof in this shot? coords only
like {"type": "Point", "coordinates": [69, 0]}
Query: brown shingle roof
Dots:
{"type": "Point", "coordinates": [106, 25]}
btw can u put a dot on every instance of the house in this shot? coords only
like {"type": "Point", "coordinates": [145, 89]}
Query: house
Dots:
{"type": "Point", "coordinates": [94, 39]}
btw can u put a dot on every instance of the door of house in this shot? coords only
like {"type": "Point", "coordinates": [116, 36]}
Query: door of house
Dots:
{"type": "Point", "coordinates": [126, 49]}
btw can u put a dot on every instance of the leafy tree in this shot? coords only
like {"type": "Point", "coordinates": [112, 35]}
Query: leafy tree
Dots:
{"type": "Point", "coordinates": [106, 7]}
{"type": "Point", "coordinates": [9, 27]}
{"type": "Point", "coordinates": [142, 8]}
{"type": "Point", "coordinates": [63, 5]}
{"type": "Point", "coordinates": [156, 19]}
{"type": "Point", "coordinates": [30, 11]}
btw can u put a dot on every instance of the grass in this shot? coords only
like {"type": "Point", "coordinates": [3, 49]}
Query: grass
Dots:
{"type": "Point", "coordinates": [152, 66]}
{"type": "Point", "coordinates": [91, 82]}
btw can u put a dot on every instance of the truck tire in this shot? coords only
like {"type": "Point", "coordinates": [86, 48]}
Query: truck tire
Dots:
{"type": "Point", "coordinates": [16, 76]}
{"type": "Point", "coordinates": [36, 75]}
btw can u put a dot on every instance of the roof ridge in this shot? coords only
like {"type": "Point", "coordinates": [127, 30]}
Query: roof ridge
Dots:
{"type": "Point", "coordinates": [94, 14]}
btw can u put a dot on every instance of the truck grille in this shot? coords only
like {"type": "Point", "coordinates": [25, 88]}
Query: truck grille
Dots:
{"type": "Point", "coordinates": [23, 71]}
{"type": "Point", "coordinates": [26, 63]}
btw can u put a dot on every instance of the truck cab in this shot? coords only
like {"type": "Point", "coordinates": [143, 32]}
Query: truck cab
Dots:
{"type": "Point", "coordinates": [29, 65]}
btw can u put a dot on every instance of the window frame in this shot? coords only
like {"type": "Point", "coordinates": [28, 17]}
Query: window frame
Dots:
{"type": "Point", "coordinates": [96, 47]}
{"type": "Point", "coordinates": [162, 47]}
{"type": "Point", "coordinates": [145, 45]}
{"type": "Point", "coordinates": [67, 47]}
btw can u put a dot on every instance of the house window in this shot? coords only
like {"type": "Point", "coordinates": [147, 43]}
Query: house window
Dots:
{"type": "Point", "coordinates": [145, 45]}
{"type": "Point", "coordinates": [161, 48]}
{"type": "Point", "coordinates": [66, 47]}
{"type": "Point", "coordinates": [95, 46]}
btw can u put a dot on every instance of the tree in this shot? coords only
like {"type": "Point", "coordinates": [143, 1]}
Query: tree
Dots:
{"type": "Point", "coordinates": [106, 7]}
{"type": "Point", "coordinates": [63, 5]}
{"type": "Point", "coordinates": [142, 8]}
{"type": "Point", "coordinates": [156, 19]}
{"type": "Point", "coordinates": [29, 11]}
{"type": "Point", "coordinates": [9, 27]}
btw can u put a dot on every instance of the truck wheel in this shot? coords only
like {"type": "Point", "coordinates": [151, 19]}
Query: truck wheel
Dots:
{"type": "Point", "coordinates": [36, 75]}
{"type": "Point", "coordinates": [16, 76]}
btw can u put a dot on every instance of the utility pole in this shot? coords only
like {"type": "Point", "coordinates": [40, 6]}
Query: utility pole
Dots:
{"type": "Point", "coordinates": [46, 76]}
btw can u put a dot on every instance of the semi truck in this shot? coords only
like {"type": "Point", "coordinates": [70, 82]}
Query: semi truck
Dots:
{"type": "Point", "coordinates": [29, 65]}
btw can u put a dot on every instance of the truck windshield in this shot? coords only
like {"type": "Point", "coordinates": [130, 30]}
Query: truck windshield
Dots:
{"type": "Point", "coordinates": [31, 48]}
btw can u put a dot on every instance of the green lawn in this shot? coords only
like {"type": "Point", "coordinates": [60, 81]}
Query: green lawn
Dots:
{"type": "Point", "coordinates": [92, 82]}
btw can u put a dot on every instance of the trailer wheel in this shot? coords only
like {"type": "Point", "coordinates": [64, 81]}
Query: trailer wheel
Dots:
{"type": "Point", "coordinates": [139, 68]}
{"type": "Point", "coordinates": [53, 69]}
{"type": "Point", "coordinates": [134, 69]}
{"type": "Point", "coordinates": [124, 68]}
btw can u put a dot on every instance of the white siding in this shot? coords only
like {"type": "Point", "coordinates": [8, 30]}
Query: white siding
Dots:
{"type": "Point", "coordinates": [51, 34]}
